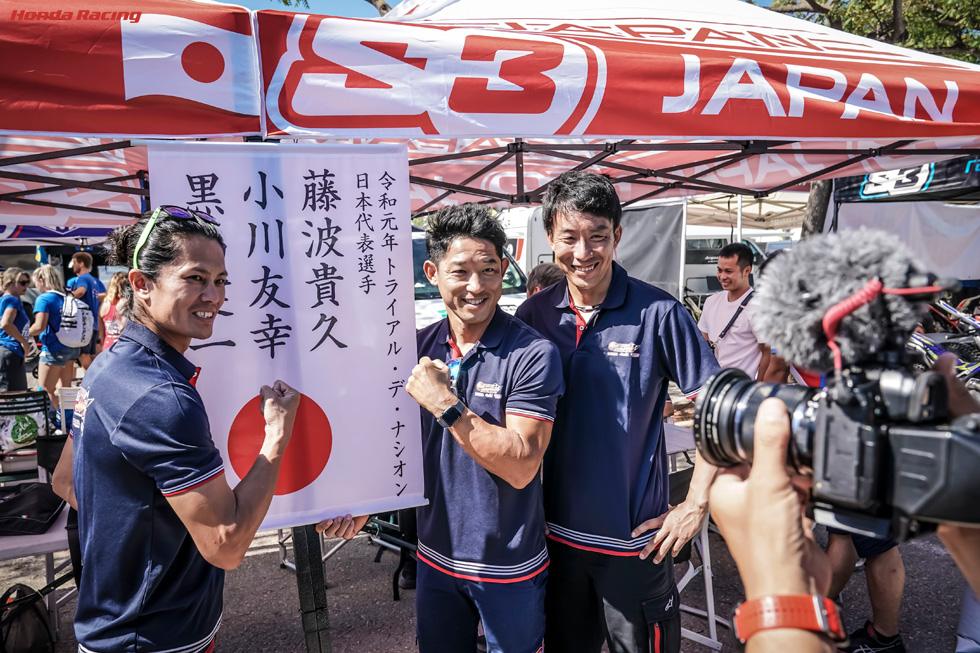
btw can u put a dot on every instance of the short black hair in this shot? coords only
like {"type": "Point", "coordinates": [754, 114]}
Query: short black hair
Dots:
{"type": "Point", "coordinates": [740, 250]}
{"type": "Point", "coordinates": [162, 246]}
{"type": "Point", "coordinates": [462, 221]}
{"type": "Point", "coordinates": [544, 275]}
{"type": "Point", "coordinates": [584, 192]}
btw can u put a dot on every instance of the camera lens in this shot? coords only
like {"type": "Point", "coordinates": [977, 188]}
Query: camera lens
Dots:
{"type": "Point", "coordinates": [724, 418]}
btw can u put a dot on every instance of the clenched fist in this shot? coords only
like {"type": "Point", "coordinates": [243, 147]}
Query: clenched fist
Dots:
{"type": "Point", "coordinates": [429, 386]}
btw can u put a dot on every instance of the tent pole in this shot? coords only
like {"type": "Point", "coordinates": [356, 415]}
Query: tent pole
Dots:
{"type": "Point", "coordinates": [739, 218]}
{"type": "Point", "coordinates": [682, 288]}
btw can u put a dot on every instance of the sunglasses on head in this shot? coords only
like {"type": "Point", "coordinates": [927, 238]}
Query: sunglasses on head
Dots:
{"type": "Point", "coordinates": [168, 211]}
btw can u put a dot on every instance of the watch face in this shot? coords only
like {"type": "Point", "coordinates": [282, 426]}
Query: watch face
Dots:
{"type": "Point", "coordinates": [449, 417]}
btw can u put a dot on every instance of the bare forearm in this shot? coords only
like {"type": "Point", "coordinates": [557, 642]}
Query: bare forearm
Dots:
{"type": "Point", "coordinates": [253, 496]}
{"type": "Point", "coordinates": [701, 479]}
{"type": "Point", "coordinates": [764, 364]}
{"type": "Point", "coordinates": [63, 478]}
{"type": "Point", "coordinates": [776, 371]}
{"type": "Point", "coordinates": [12, 331]}
{"type": "Point", "coordinates": [499, 450]}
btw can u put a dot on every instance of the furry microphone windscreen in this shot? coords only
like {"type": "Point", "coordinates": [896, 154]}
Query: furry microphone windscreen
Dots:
{"type": "Point", "coordinates": [799, 287]}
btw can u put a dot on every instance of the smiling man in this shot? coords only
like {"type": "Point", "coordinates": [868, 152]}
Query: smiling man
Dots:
{"type": "Point", "coordinates": [488, 386]}
{"type": "Point", "coordinates": [727, 321]}
{"type": "Point", "coordinates": [605, 475]}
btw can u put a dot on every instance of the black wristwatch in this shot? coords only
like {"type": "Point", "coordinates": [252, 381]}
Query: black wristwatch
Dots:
{"type": "Point", "coordinates": [451, 415]}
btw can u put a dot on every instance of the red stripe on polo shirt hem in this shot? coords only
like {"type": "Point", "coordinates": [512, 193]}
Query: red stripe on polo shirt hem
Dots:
{"type": "Point", "coordinates": [575, 545]}
{"type": "Point", "coordinates": [188, 489]}
{"type": "Point", "coordinates": [481, 579]}
{"type": "Point", "coordinates": [540, 419]}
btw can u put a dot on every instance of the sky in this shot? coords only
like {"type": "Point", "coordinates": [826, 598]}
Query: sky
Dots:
{"type": "Point", "coordinates": [345, 8]}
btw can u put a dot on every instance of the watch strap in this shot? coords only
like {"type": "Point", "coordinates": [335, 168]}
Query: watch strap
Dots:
{"type": "Point", "coordinates": [796, 611]}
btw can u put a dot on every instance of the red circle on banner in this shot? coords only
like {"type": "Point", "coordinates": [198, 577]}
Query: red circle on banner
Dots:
{"type": "Point", "coordinates": [202, 62]}
{"type": "Point", "coordinates": [307, 453]}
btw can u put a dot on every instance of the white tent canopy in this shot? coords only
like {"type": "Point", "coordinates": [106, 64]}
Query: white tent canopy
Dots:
{"type": "Point", "coordinates": [495, 99]}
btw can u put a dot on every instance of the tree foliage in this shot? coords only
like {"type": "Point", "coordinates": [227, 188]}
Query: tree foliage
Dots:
{"type": "Point", "coordinates": [950, 28]}
{"type": "Point", "coordinates": [382, 6]}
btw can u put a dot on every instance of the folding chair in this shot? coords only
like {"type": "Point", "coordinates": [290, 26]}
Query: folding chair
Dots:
{"type": "Point", "coordinates": [13, 404]}
{"type": "Point", "coordinates": [66, 402]}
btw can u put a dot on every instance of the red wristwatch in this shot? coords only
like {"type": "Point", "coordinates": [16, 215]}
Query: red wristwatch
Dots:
{"type": "Point", "coordinates": [797, 611]}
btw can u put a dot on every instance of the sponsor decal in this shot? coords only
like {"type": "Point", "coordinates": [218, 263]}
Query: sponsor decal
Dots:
{"type": "Point", "coordinates": [82, 402]}
{"type": "Point", "coordinates": [492, 390]}
{"type": "Point", "coordinates": [630, 349]}
{"type": "Point", "coordinates": [330, 79]}
{"type": "Point", "coordinates": [903, 181]}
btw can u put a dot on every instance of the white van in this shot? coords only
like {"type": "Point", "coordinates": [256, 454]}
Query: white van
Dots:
{"type": "Point", "coordinates": [428, 304]}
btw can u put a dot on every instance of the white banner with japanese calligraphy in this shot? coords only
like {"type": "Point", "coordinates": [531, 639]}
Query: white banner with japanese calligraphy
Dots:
{"type": "Point", "coordinates": [321, 296]}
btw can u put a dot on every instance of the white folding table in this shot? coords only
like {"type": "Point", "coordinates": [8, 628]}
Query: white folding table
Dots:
{"type": "Point", "coordinates": [47, 544]}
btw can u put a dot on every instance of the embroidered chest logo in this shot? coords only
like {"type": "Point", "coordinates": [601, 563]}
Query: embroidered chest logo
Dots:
{"type": "Point", "coordinates": [82, 402]}
{"type": "Point", "coordinates": [623, 349]}
{"type": "Point", "coordinates": [491, 390]}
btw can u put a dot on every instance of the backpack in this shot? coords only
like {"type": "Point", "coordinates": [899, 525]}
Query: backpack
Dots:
{"type": "Point", "coordinates": [24, 624]}
{"type": "Point", "coordinates": [77, 322]}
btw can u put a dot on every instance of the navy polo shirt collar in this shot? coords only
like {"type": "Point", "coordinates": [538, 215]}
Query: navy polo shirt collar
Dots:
{"type": "Point", "coordinates": [490, 339]}
{"type": "Point", "coordinates": [615, 296]}
{"type": "Point", "coordinates": [138, 333]}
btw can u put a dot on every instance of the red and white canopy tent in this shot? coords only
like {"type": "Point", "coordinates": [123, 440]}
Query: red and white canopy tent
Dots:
{"type": "Point", "coordinates": [495, 98]}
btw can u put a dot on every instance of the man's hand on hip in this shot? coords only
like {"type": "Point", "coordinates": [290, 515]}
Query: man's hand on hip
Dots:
{"type": "Point", "coordinates": [677, 526]}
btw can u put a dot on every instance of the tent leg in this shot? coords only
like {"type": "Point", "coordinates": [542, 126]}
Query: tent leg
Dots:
{"type": "Point", "coordinates": [312, 589]}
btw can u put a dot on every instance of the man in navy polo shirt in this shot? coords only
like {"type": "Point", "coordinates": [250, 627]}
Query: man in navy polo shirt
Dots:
{"type": "Point", "coordinates": [605, 475]}
{"type": "Point", "coordinates": [488, 386]}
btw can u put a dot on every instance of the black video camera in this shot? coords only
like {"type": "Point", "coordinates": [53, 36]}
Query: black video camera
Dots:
{"type": "Point", "coordinates": [877, 441]}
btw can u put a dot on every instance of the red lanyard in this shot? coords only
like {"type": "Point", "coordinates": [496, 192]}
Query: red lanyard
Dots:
{"type": "Point", "coordinates": [580, 322]}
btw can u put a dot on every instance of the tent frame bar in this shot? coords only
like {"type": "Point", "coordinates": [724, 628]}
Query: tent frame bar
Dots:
{"type": "Point", "coordinates": [51, 189]}
{"type": "Point", "coordinates": [60, 154]}
{"type": "Point", "coordinates": [74, 183]}
{"type": "Point", "coordinates": [740, 150]}
{"type": "Point", "coordinates": [73, 207]}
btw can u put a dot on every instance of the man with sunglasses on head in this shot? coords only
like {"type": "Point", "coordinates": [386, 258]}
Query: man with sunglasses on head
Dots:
{"type": "Point", "coordinates": [158, 522]}
{"type": "Point", "coordinates": [488, 386]}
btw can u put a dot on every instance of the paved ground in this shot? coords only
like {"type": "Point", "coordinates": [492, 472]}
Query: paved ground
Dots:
{"type": "Point", "coordinates": [261, 605]}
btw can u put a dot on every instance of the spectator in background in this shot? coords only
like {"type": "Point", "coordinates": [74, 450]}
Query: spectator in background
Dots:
{"type": "Point", "coordinates": [727, 320]}
{"type": "Point", "coordinates": [91, 291]}
{"type": "Point", "coordinates": [55, 356]}
{"type": "Point", "coordinates": [542, 276]}
{"type": "Point", "coordinates": [14, 345]}
{"type": "Point", "coordinates": [112, 313]}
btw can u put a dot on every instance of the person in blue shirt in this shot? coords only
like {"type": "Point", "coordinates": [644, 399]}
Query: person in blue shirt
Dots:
{"type": "Point", "coordinates": [158, 522]}
{"type": "Point", "coordinates": [57, 360]}
{"type": "Point", "coordinates": [488, 386]}
{"type": "Point", "coordinates": [13, 320]}
{"type": "Point", "coordinates": [605, 475]}
{"type": "Point", "coordinates": [91, 291]}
